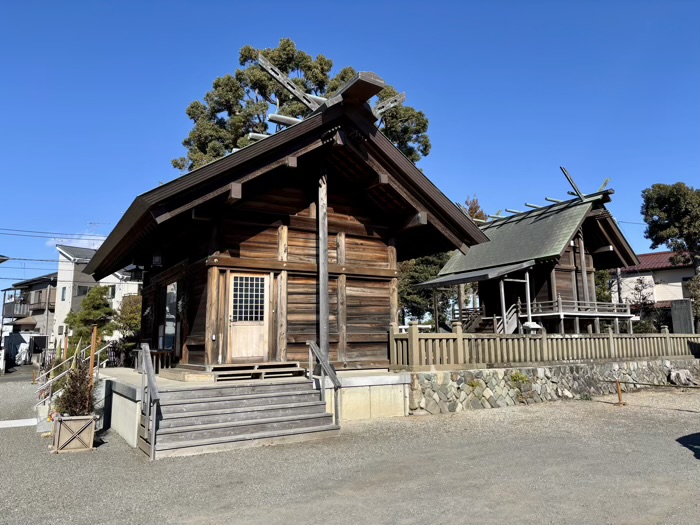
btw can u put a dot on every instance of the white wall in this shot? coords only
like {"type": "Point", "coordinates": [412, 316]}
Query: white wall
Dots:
{"type": "Point", "coordinates": [664, 285]}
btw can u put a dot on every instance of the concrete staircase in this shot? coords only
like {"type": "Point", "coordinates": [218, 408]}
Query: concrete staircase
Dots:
{"type": "Point", "coordinates": [209, 418]}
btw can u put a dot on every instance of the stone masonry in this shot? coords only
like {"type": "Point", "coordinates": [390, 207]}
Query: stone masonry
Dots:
{"type": "Point", "coordinates": [445, 392]}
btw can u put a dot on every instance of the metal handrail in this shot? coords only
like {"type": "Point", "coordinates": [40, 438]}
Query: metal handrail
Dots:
{"type": "Point", "coordinates": [150, 397]}
{"type": "Point", "coordinates": [48, 373]}
{"type": "Point", "coordinates": [326, 370]}
{"type": "Point", "coordinates": [51, 381]}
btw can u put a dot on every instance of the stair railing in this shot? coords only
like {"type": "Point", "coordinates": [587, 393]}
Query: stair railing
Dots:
{"type": "Point", "coordinates": [150, 397]}
{"type": "Point", "coordinates": [326, 370]}
{"type": "Point", "coordinates": [49, 384]}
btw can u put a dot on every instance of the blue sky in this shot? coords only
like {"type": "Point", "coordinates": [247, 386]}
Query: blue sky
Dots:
{"type": "Point", "coordinates": [92, 97]}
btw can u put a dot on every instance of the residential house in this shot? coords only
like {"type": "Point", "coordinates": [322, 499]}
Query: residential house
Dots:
{"type": "Point", "coordinates": [74, 285]}
{"type": "Point", "coordinates": [28, 307]}
{"type": "Point", "coordinates": [539, 267]}
{"type": "Point", "coordinates": [654, 280]}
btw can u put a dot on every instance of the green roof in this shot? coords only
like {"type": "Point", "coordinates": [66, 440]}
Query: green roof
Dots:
{"type": "Point", "coordinates": [538, 235]}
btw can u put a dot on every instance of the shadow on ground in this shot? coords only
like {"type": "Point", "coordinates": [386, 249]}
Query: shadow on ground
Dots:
{"type": "Point", "coordinates": [692, 443]}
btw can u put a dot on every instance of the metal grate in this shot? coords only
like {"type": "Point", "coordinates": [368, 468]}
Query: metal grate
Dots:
{"type": "Point", "coordinates": [248, 299]}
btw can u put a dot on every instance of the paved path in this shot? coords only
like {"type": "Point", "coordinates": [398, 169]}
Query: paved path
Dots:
{"type": "Point", "coordinates": [553, 463]}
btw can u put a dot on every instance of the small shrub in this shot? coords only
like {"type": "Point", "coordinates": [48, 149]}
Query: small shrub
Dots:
{"type": "Point", "coordinates": [519, 378]}
{"type": "Point", "coordinates": [586, 397]}
{"type": "Point", "coordinates": [76, 398]}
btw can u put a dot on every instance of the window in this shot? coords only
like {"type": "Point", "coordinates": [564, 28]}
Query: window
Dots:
{"type": "Point", "coordinates": [82, 290]}
{"type": "Point", "coordinates": [63, 293]}
{"type": "Point", "coordinates": [686, 291]}
{"type": "Point", "coordinates": [111, 291]}
{"type": "Point", "coordinates": [60, 328]}
{"type": "Point", "coordinates": [248, 299]}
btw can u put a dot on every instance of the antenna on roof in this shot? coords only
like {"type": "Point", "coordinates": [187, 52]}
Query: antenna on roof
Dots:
{"type": "Point", "coordinates": [604, 185]}
{"type": "Point", "coordinates": [573, 184]}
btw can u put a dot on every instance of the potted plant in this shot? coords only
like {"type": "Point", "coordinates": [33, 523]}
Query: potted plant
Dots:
{"type": "Point", "coordinates": [74, 422]}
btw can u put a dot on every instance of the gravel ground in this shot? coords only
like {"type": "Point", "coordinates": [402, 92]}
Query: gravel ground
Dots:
{"type": "Point", "coordinates": [17, 395]}
{"type": "Point", "coordinates": [552, 463]}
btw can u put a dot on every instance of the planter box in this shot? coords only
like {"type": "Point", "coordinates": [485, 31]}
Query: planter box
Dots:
{"type": "Point", "coordinates": [73, 433]}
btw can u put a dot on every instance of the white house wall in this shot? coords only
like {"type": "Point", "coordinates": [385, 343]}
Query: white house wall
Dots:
{"type": "Point", "coordinates": [664, 285]}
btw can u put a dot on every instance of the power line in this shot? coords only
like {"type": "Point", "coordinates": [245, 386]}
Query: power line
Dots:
{"type": "Point", "coordinates": [49, 233]}
{"type": "Point", "coordinates": [38, 236]}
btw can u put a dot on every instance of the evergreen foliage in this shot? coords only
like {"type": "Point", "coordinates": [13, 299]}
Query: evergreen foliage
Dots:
{"type": "Point", "coordinates": [238, 104]}
{"type": "Point", "coordinates": [672, 214]}
{"type": "Point", "coordinates": [603, 286]}
{"type": "Point", "coordinates": [76, 398]}
{"type": "Point", "coordinates": [94, 310]}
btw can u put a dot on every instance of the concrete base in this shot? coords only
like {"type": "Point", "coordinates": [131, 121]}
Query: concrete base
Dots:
{"type": "Point", "coordinates": [42, 419]}
{"type": "Point", "coordinates": [370, 395]}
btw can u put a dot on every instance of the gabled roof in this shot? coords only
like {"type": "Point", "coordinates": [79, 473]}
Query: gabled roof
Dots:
{"type": "Point", "coordinates": [656, 261]}
{"type": "Point", "coordinates": [348, 110]}
{"type": "Point", "coordinates": [49, 277]}
{"type": "Point", "coordinates": [76, 253]}
{"type": "Point", "coordinates": [538, 235]}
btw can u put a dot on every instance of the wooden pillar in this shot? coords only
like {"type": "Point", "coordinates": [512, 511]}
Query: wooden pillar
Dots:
{"type": "Point", "coordinates": [282, 280]}
{"type": "Point", "coordinates": [630, 330]}
{"type": "Point", "coordinates": [553, 285]}
{"type": "Point", "coordinates": [435, 310]}
{"type": "Point", "coordinates": [577, 326]}
{"type": "Point", "coordinates": [527, 296]}
{"type": "Point", "coordinates": [93, 348]}
{"type": "Point", "coordinates": [212, 343]}
{"type": "Point", "coordinates": [342, 318]}
{"type": "Point", "coordinates": [460, 301]}
{"type": "Point", "coordinates": [617, 325]}
{"type": "Point", "coordinates": [323, 306]}
{"type": "Point", "coordinates": [584, 270]}
{"type": "Point", "coordinates": [394, 301]}
{"type": "Point", "coordinates": [501, 289]}
{"type": "Point", "coordinates": [596, 324]}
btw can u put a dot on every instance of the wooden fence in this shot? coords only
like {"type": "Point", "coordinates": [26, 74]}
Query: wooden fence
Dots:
{"type": "Point", "coordinates": [457, 350]}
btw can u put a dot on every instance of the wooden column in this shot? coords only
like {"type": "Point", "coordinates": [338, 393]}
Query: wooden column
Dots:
{"type": "Point", "coordinates": [527, 296]}
{"type": "Point", "coordinates": [596, 324]}
{"type": "Point", "coordinates": [501, 289]}
{"type": "Point", "coordinates": [577, 326]}
{"type": "Point", "coordinates": [211, 344]}
{"type": "Point", "coordinates": [460, 301]}
{"type": "Point", "coordinates": [282, 280]}
{"type": "Point", "coordinates": [342, 299]}
{"type": "Point", "coordinates": [584, 270]}
{"type": "Point", "coordinates": [323, 306]}
{"type": "Point", "coordinates": [617, 325]}
{"type": "Point", "coordinates": [553, 285]}
{"type": "Point", "coordinates": [393, 284]}
{"type": "Point", "coordinates": [435, 310]}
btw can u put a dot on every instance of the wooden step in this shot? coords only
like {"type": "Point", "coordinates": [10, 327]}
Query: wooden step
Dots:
{"type": "Point", "coordinates": [265, 373]}
{"type": "Point", "coordinates": [165, 437]}
{"type": "Point", "coordinates": [255, 366]}
{"type": "Point", "coordinates": [172, 406]}
{"type": "Point", "coordinates": [240, 414]}
{"type": "Point", "coordinates": [200, 446]}
{"type": "Point", "coordinates": [250, 387]}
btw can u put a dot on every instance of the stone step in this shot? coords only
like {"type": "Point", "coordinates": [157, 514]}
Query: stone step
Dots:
{"type": "Point", "coordinates": [251, 387]}
{"type": "Point", "coordinates": [178, 406]}
{"type": "Point", "coordinates": [240, 414]}
{"type": "Point", "coordinates": [218, 431]}
{"type": "Point", "coordinates": [218, 444]}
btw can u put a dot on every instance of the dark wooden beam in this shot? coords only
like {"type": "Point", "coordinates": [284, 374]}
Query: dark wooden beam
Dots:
{"type": "Point", "coordinates": [232, 190]}
{"type": "Point", "coordinates": [419, 219]}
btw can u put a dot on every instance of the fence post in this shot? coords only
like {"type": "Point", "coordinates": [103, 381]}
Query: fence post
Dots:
{"type": "Point", "coordinates": [457, 330]}
{"type": "Point", "coordinates": [611, 344]}
{"type": "Point", "coordinates": [393, 329]}
{"type": "Point", "coordinates": [413, 348]}
{"type": "Point", "coordinates": [667, 340]}
{"type": "Point", "coordinates": [545, 346]}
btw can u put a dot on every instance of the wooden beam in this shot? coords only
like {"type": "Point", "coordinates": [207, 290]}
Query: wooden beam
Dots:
{"type": "Point", "coordinates": [282, 281]}
{"type": "Point", "coordinates": [391, 253]}
{"type": "Point", "coordinates": [323, 303]}
{"type": "Point", "coordinates": [282, 243]}
{"type": "Point", "coordinates": [340, 248]}
{"type": "Point", "coordinates": [298, 267]}
{"type": "Point", "coordinates": [419, 219]}
{"type": "Point", "coordinates": [584, 273]}
{"type": "Point", "coordinates": [527, 296]}
{"type": "Point", "coordinates": [394, 301]}
{"type": "Point", "coordinates": [604, 249]}
{"type": "Point", "coordinates": [342, 318]}
{"type": "Point", "coordinates": [232, 190]}
{"type": "Point", "coordinates": [292, 162]}
{"type": "Point", "coordinates": [211, 336]}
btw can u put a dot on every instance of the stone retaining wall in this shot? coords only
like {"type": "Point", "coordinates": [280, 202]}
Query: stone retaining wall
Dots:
{"type": "Point", "coordinates": [445, 392]}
